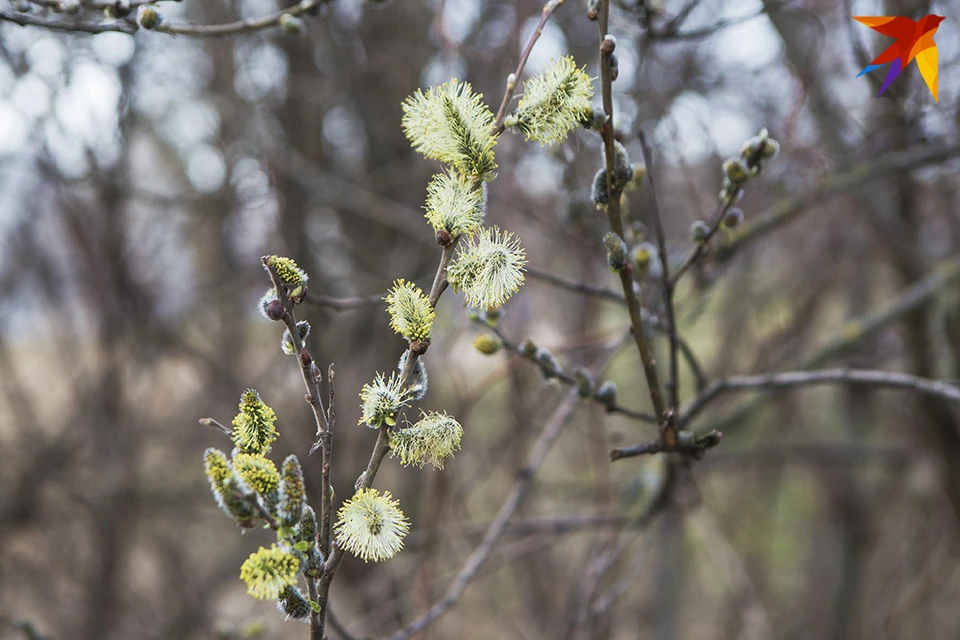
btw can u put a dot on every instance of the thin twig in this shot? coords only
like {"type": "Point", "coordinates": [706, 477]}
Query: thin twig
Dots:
{"type": "Point", "coordinates": [673, 33]}
{"type": "Point", "coordinates": [576, 285]}
{"type": "Point", "coordinates": [673, 385]}
{"type": "Point", "coordinates": [559, 374]}
{"type": "Point", "coordinates": [183, 29]}
{"type": "Point", "coordinates": [28, 20]}
{"type": "Point", "coordinates": [879, 379]}
{"type": "Point", "coordinates": [240, 26]}
{"type": "Point", "coordinates": [603, 293]}
{"type": "Point", "coordinates": [210, 422]}
{"type": "Point", "coordinates": [515, 77]}
{"type": "Point", "coordinates": [686, 442]}
{"type": "Point", "coordinates": [345, 304]}
{"type": "Point", "coordinates": [316, 617]}
{"type": "Point", "coordinates": [323, 431]}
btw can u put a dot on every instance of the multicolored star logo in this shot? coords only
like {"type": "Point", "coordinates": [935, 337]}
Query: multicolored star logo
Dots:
{"type": "Point", "coordinates": [914, 40]}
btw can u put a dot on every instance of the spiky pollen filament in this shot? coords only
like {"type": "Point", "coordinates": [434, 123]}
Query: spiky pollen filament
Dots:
{"type": "Point", "coordinates": [268, 572]}
{"type": "Point", "coordinates": [371, 526]}
{"type": "Point", "coordinates": [253, 427]}
{"type": "Point", "coordinates": [452, 124]}
{"type": "Point", "coordinates": [554, 102]}
{"type": "Point", "coordinates": [411, 314]}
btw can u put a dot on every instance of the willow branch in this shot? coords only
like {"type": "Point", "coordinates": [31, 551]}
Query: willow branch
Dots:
{"type": "Point", "coordinates": [614, 193]}
{"type": "Point", "coordinates": [570, 381]}
{"type": "Point", "coordinates": [240, 26]}
{"type": "Point", "coordinates": [515, 77]}
{"type": "Point", "coordinates": [866, 377]}
{"type": "Point", "coordinates": [28, 20]}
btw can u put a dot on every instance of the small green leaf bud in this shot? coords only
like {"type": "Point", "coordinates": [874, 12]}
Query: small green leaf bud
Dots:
{"type": "Point", "coordinates": [732, 218]}
{"type": "Point", "coordinates": [529, 349]}
{"type": "Point", "coordinates": [291, 25]}
{"type": "Point", "coordinates": [487, 344]}
{"type": "Point", "coordinates": [492, 316]}
{"type": "Point", "coordinates": [585, 382]}
{"type": "Point", "coordinates": [616, 252]}
{"type": "Point", "coordinates": [735, 170]}
{"type": "Point", "coordinates": [607, 393]}
{"type": "Point", "coordinates": [699, 231]}
{"type": "Point", "coordinates": [473, 314]}
{"type": "Point", "coordinates": [599, 194]}
{"type": "Point", "coordinates": [149, 17]}
{"type": "Point", "coordinates": [70, 7]}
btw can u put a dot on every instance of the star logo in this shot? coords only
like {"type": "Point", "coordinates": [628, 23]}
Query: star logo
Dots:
{"type": "Point", "coordinates": [914, 40]}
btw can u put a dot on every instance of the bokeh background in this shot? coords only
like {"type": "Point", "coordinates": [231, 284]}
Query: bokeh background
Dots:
{"type": "Point", "coordinates": [142, 177]}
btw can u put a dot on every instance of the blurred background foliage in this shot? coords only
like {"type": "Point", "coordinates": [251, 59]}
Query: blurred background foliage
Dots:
{"type": "Point", "coordinates": [142, 176]}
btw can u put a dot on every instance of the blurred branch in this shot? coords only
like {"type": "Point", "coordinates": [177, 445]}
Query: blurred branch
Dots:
{"type": "Point", "coordinates": [521, 486]}
{"type": "Point", "coordinates": [240, 26]}
{"type": "Point", "coordinates": [858, 329]}
{"type": "Point", "coordinates": [577, 286]}
{"type": "Point", "coordinates": [830, 186]}
{"type": "Point", "coordinates": [345, 304]}
{"type": "Point", "coordinates": [811, 453]}
{"type": "Point", "coordinates": [28, 20]}
{"type": "Point", "coordinates": [879, 379]}
{"type": "Point", "coordinates": [130, 26]}
{"type": "Point", "coordinates": [909, 300]}
{"type": "Point", "coordinates": [672, 30]}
